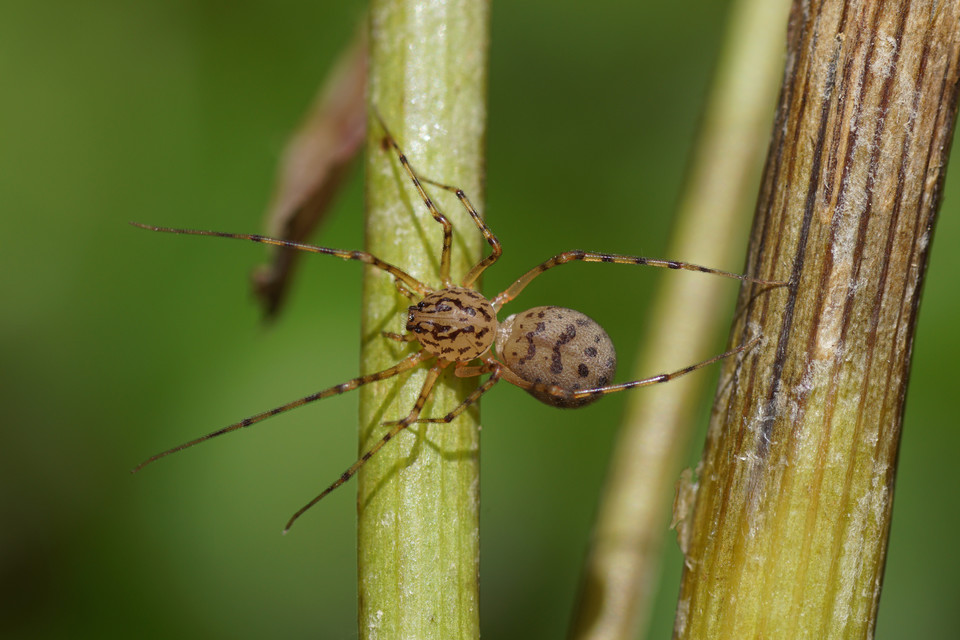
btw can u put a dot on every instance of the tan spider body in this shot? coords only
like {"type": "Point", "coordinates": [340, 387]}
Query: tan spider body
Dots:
{"type": "Point", "coordinates": [559, 356]}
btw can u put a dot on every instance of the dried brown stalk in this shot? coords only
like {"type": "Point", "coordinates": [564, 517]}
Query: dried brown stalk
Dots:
{"type": "Point", "coordinates": [792, 511]}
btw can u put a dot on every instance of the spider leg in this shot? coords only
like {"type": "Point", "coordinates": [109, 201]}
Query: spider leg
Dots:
{"type": "Point", "coordinates": [407, 363]}
{"type": "Point", "coordinates": [493, 367]}
{"type": "Point", "coordinates": [434, 211]}
{"type": "Point", "coordinates": [400, 425]}
{"type": "Point", "coordinates": [400, 276]}
{"type": "Point", "coordinates": [514, 290]}
{"type": "Point", "coordinates": [556, 391]}
{"type": "Point", "coordinates": [474, 274]}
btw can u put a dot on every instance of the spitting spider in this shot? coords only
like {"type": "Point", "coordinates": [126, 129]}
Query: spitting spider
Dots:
{"type": "Point", "coordinates": [559, 356]}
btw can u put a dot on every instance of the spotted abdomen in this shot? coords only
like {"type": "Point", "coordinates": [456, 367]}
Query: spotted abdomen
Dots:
{"type": "Point", "coordinates": [454, 324]}
{"type": "Point", "coordinates": [557, 346]}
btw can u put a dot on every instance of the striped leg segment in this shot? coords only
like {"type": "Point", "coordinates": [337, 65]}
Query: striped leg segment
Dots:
{"type": "Point", "coordinates": [434, 211]}
{"type": "Point", "coordinates": [474, 274]}
{"type": "Point", "coordinates": [399, 426]}
{"type": "Point", "coordinates": [401, 277]}
{"type": "Point", "coordinates": [407, 363]}
{"type": "Point", "coordinates": [602, 391]}
{"type": "Point", "coordinates": [514, 290]}
{"type": "Point", "coordinates": [496, 369]}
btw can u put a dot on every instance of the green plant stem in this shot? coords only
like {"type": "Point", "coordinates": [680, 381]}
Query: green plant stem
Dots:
{"type": "Point", "coordinates": [620, 576]}
{"type": "Point", "coordinates": [792, 509]}
{"type": "Point", "coordinates": [418, 500]}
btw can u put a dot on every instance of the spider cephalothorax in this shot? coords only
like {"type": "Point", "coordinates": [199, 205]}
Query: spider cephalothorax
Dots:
{"type": "Point", "coordinates": [559, 356]}
{"type": "Point", "coordinates": [455, 324]}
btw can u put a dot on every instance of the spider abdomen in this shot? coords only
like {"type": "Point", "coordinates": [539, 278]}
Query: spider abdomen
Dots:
{"type": "Point", "coordinates": [557, 346]}
{"type": "Point", "coordinates": [455, 324]}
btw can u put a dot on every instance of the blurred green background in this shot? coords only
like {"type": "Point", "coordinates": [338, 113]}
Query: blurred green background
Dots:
{"type": "Point", "coordinates": [117, 343]}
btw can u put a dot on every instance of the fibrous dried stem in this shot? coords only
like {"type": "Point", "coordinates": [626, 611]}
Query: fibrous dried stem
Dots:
{"type": "Point", "coordinates": [794, 495]}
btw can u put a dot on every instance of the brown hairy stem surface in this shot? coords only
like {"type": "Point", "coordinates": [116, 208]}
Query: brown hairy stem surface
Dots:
{"type": "Point", "coordinates": [792, 508]}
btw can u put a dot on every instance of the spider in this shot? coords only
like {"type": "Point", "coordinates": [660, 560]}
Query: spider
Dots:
{"type": "Point", "coordinates": [559, 356]}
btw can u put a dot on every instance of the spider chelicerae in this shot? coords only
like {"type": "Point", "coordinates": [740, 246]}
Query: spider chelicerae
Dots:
{"type": "Point", "coordinates": [559, 356]}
